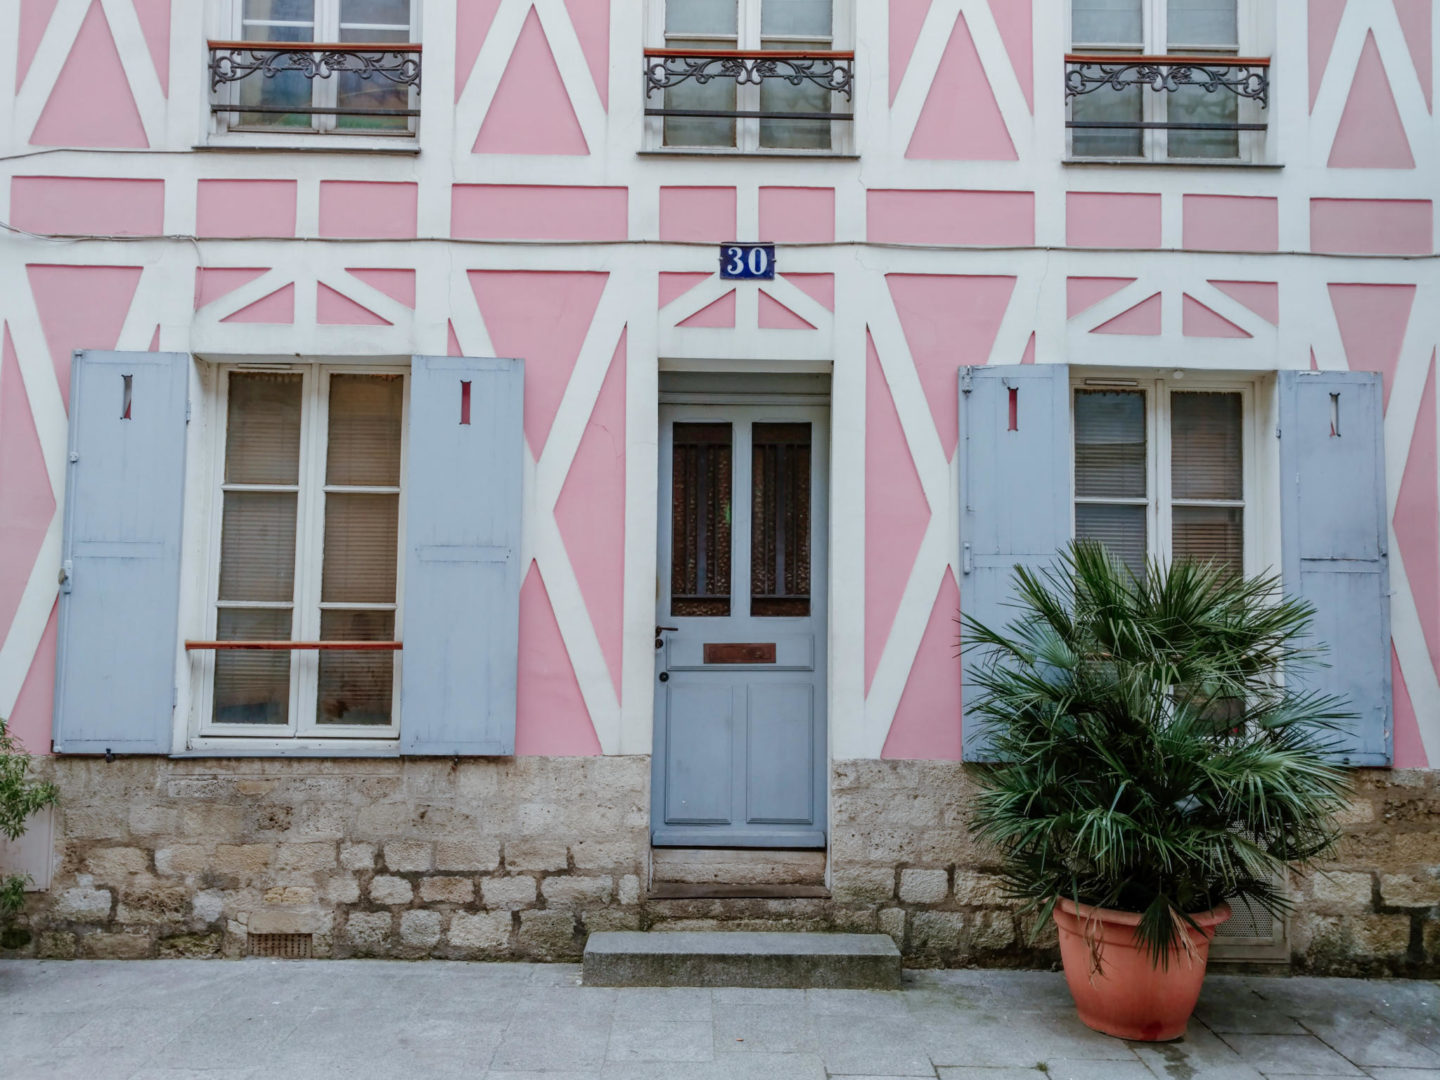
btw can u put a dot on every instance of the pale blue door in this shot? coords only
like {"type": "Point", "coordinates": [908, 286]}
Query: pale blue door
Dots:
{"type": "Point", "coordinates": [740, 757]}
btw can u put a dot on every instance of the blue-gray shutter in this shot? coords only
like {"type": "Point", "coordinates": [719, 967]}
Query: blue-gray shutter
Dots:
{"type": "Point", "coordinates": [1334, 539]}
{"type": "Point", "coordinates": [462, 556]}
{"type": "Point", "coordinates": [120, 562]}
{"type": "Point", "coordinates": [1014, 496]}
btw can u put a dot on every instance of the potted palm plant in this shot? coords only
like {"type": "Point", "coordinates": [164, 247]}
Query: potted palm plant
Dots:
{"type": "Point", "coordinates": [1151, 765]}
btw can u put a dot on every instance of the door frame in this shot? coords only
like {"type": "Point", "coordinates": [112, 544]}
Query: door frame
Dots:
{"type": "Point", "coordinates": [714, 398]}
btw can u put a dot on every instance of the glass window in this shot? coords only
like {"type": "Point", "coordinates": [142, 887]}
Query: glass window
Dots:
{"type": "Point", "coordinates": [719, 26]}
{"type": "Point", "coordinates": [1126, 439]}
{"type": "Point", "coordinates": [273, 585]}
{"type": "Point", "coordinates": [286, 99]}
{"type": "Point", "coordinates": [1137, 120]}
{"type": "Point", "coordinates": [1111, 488]}
{"type": "Point", "coordinates": [700, 520]}
{"type": "Point", "coordinates": [780, 520]}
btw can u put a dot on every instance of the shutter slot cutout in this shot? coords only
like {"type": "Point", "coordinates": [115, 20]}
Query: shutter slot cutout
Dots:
{"type": "Point", "coordinates": [126, 391]}
{"type": "Point", "coordinates": [1014, 409]}
{"type": "Point", "coordinates": [1334, 416]}
{"type": "Point", "coordinates": [465, 402]}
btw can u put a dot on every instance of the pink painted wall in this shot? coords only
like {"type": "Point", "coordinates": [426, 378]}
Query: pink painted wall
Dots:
{"type": "Point", "coordinates": [538, 175]}
{"type": "Point", "coordinates": [87, 206]}
{"type": "Point", "coordinates": [532, 212]}
{"type": "Point", "coordinates": [951, 217]}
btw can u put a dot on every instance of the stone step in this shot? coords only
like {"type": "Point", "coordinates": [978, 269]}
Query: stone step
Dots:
{"type": "Point", "coordinates": [742, 958]}
{"type": "Point", "coordinates": [736, 866]}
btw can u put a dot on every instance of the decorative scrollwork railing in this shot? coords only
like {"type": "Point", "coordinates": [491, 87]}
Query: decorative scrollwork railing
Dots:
{"type": "Point", "coordinates": [832, 71]}
{"type": "Point", "coordinates": [1244, 77]}
{"type": "Point", "coordinates": [236, 61]}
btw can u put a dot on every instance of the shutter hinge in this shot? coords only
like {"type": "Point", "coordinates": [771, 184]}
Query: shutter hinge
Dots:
{"type": "Point", "coordinates": [65, 568]}
{"type": "Point", "coordinates": [174, 696]}
{"type": "Point", "coordinates": [965, 379]}
{"type": "Point", "coordinates": [187, 410]}
{"type": "Point", "coordinates": [967, 565]}
{"type": "Point", "coordinates": [1277, 431]}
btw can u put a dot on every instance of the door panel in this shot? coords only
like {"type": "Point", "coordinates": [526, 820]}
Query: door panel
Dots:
{"type": "Point", "coordinates": [780, 739]}
{"type": "Point", "coordinates": [740, 640]}
{"type": "Point", "coordinates": [698, 777]}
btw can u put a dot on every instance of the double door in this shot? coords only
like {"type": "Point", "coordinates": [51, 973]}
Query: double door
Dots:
{"type": "Point", "coordinates": [740, 640]}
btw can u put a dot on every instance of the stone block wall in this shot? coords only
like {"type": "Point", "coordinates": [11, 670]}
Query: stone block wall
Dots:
{"type": "Point", "coordinates": [1375, 910]}
{"type": "Point", "coordinates": [521, 858]}
{"type": "Point", "coordinates": [515, 858]}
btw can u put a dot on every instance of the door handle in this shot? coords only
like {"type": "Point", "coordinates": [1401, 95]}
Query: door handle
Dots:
{"type": "Point", "coordinates": [659, 641]}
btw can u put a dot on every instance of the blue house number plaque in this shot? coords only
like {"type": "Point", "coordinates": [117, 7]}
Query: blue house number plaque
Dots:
{"type": "Point", "coordinates": [747, 262]}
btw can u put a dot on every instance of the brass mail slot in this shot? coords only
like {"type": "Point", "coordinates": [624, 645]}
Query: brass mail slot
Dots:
{"type": "Point", "coordinates": [734, 652]}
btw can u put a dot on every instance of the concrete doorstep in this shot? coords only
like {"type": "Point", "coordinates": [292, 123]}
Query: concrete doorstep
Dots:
{"type": "Point", "coordinates": [731, 958]}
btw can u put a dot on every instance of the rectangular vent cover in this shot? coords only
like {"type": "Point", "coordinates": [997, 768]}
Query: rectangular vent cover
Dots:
{"type": "Point", "coordinates": [281, 946]}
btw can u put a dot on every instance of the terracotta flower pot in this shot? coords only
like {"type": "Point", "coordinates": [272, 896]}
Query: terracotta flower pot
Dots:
{"type": "Point", "coordinates": [1131, 997]}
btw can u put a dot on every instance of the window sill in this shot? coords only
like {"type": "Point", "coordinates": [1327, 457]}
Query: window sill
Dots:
{"type": "Point", "coordinates": [1173, 163]}
{"type": "Point", "coordinates": [276, 748]}
{"type": "Point", "coordinates": [295, 142]}
{"type": "Point", "coordinates": [721, 152]}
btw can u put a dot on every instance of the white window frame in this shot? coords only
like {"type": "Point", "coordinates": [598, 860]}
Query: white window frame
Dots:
{"type": "Point", "coordinates": [1254, 36]}
{"type": "Point", "coordinates": [323, 92]}
{"type": "Point", "coordinates": [747, 98]}
{"type": "Point", "coordinates": [1260, 532]}
{"type": "Point", "coordinates": [302, 730]}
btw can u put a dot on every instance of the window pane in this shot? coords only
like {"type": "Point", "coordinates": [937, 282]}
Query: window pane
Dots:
{"type": "Point", "coordinates": [280, 10]}
{"type": "Point", "coordinates": [1110, 107]}
{"type": "Point", "coordinates": [1202, 22]}
{"type": "Point", "coordinates": [797, 18]}
{"type": "Point", "coordinates": [262, 429]}
{"type": "Point", "coordinates": [1120, 528]}
{"type": "Point", "coordinates": [701, 17]}
{"type": "Point", "coordinates": [1206, 442]}
{"type": "Point", "coordinates": [288, 89]}
{"type": "Point", "coordinates": [362, 95]}
{"type": "Point", "coordinates": [1209, 533]}
{"type": "Point", "coordinates": [717, 95]}
{"type": "Point", "coordinates": [376, 12]}
{"type": "Point", "coordinates": [252, 687]}
{"type": "Point", "coordinates": [1193, 105]}
{"type": "Point", "coordinates": [364, 443]}
{"type": "Point", "coordinates": [780, 520]}
{"type": "Point", "coordinates": [356, 687]}
{"type": "Point", "coordinates": [257, 546]}
{"type": "Point", "coordinates": [700, 520]}
{"type": "Point", "coordinates": [360, 548]}
{"type": "Point", "coordinates": [1110, 444]}
{"type": "Point", "coordinates": [778, 95]}
{"type": "Point", "coordinates": [1106, 22]}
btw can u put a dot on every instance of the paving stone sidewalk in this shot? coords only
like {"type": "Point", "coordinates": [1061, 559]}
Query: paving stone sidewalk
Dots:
{"type": "Point", "coordinates": [354, 1020]}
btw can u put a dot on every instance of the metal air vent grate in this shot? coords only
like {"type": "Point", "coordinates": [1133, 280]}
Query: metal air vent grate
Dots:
{"type": "Point", "coordinates": [281, 946]}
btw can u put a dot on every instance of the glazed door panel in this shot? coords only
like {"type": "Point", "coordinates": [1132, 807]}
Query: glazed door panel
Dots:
{"type": "Point", "coordinates": [740, 627]}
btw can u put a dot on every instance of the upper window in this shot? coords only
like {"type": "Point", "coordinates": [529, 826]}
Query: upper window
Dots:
{"type": "Point", "coordinates": [304, 589]}
{"type": "Point", "coordinates": [1164, 79]}
{"type": "Point", "coordinates": [320, 66]}
{"type": "Point", "coordinates": [1161, 472]}
{"type": "Point", "coordinates": [750, 75]}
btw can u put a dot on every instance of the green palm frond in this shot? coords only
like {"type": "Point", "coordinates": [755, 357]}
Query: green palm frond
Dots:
{"type": "Point", "coordinates": [1152, 756]}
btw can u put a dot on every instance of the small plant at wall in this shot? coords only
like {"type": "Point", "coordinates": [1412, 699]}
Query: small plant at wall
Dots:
{"type": "Point", "coordinates": [1153, 764]}
{"type": "Point", "coordinates": [21, 797]}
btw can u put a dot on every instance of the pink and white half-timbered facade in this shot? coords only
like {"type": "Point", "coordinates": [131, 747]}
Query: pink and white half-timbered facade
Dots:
{"type": "Point", "coordinates": [1040, 268]}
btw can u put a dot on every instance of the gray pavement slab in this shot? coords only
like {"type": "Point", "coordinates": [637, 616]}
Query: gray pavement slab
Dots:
{"type": "Point", "coordinates": [354, 1020]}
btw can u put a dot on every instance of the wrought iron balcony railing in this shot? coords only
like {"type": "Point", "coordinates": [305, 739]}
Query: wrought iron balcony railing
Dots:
{"type": "Point", "coordinates": [372, 71]}
{"type": "Point", "coordinates": [1245, 77]}
{"type": "Point", "coordinates": [667, 68]}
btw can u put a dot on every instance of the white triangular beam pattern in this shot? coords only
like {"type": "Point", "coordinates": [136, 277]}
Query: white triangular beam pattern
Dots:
{"type": "Point", "coordinates": [924, 63]}
{"type": "Point", "coordinates": [1357, 22]}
